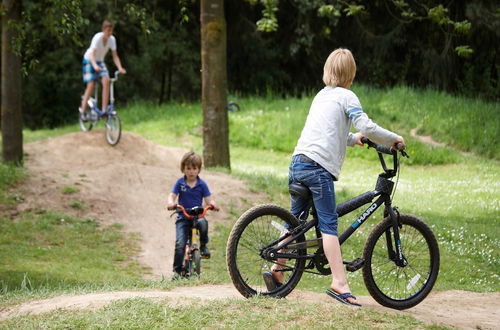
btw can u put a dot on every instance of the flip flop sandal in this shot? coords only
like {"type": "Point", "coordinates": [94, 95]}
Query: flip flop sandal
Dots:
{"type": "Point", "coordinates": [271, 284]}
{"type": "Point", "coordinates": [342, 297]}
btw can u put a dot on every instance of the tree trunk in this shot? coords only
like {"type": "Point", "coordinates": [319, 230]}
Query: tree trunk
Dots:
{"type": "Point", "coordinates": [12, 120]}
{"type": "Point", "coordinates": [214, 83]}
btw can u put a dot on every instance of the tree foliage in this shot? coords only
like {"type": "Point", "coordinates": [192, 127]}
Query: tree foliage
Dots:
{"type": "Point", "coordinates": [451, 46]}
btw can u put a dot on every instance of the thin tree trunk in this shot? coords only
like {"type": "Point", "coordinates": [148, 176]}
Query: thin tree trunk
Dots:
{"type": "Point", "coordinates": [162, 86]}
{"type": "Point", "coordinates": [12, 121]}
{"type": "Point", "coordinates": [214, 83]}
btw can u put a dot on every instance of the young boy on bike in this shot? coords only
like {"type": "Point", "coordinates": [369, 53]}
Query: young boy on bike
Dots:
{"type": "Point", "coordinates": [94, 66]}
{"type": "Point", "coordinates": [319, 154]}
{"type": "Point", "coordinates": [191, 191]}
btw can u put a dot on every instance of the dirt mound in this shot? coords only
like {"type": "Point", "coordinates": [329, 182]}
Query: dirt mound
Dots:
{"type": "Point", "coordinates": [126, 184]}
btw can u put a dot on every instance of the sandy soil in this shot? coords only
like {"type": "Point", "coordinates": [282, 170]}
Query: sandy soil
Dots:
{"type": "Point", "coordinates": [128, 184]}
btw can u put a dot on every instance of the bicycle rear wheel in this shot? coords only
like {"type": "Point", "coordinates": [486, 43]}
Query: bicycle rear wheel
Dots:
{"type": "Point", "coordinates": [85, 125]}
{"type": "Point", "coordinates": [392, 285]}
{"type": "Point", "coordinates": [113, 129]}
{"type": "Point", "coordinates": [253, 231]}
{"type": "Point", "coordinates": [196, 261]}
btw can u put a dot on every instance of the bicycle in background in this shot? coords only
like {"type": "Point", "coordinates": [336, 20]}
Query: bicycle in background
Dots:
{"type": "Point", "coordinates": [192, 256]}
{"type": "Point", "coordinates": [113, 129]}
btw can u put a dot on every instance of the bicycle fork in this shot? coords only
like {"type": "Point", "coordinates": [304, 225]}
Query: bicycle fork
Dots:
{"type": "Point", "coordinates": [396, 256]}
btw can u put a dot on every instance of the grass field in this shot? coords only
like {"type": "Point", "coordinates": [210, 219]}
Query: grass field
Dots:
{"type": "Point", "coordinates": [457, 193]}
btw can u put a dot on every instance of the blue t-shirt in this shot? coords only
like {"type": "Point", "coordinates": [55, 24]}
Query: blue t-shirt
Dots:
{"type": "Point", "coordinates": [191, 197]}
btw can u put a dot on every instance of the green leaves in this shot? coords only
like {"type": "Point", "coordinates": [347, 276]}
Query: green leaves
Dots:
{"type": "Point", "coordinates": [464, 51]}
{"type": "Point", "coordinates": [268, 23]}
{"type": "Point", "coordinates": [139, 14]}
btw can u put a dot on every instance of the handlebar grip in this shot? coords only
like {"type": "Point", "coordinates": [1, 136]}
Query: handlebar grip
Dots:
{"type": "Point", "coordinates": [378, 147]}
{"type": "Point", "coordinates": [384, 149]}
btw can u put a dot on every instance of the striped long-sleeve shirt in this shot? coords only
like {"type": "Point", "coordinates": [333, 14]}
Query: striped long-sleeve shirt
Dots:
{"type": "Point", "coordinates": [326, 133]}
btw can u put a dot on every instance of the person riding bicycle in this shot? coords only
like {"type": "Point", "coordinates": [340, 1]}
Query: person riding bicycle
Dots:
{"type": "Point", "coordinates": [191, 191]}
{"type": "Point", "coordinates": [319, 154]}
{"type": "Point", "coordinates": [94, 66]}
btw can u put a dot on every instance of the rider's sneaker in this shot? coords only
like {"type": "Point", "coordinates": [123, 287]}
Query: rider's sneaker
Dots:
{"type": "Point", "coordinates": [205, 252]}
{"type": "Point", "coordinates": [83, 115]}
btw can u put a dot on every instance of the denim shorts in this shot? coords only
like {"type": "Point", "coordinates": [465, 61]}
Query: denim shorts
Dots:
{"type": "Point", "coordinates": [89, 73]}
{"type": "Point", "coordinates": [320, 182]}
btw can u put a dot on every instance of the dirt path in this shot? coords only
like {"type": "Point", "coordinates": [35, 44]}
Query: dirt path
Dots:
{"type": "Point", "coordinates": [477, 311]}
{"type": "Point", "coordinates": [128, 184]}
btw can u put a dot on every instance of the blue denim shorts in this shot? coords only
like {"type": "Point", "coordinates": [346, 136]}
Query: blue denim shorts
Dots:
{"type": "Point", "coordinates": [320, 182]}
{"type": "Point", "coordinates": [88, 72]}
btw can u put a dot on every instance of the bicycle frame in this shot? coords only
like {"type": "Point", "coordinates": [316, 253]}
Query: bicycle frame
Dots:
{"type": "Point", "coordinates": [383, 190]}
{"type": "Point", "coordinates": [111, 106]}
{"type": "Point", "coordinates": [193, 242]}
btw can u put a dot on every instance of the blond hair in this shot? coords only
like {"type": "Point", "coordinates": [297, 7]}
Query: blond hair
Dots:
{"type": "Point", "coordinates": [190, 159]}
{"type": "Point", "coordinates": [339, 69]}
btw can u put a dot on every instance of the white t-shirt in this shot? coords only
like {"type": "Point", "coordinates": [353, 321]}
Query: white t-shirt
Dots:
{"type": "Point", "coordinates": [99, 47]}
{"type": "Point", "coordinates": [326, 132]}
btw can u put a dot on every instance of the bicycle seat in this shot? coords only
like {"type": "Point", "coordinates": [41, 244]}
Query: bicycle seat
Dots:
{"type": "Point", "coordinates": [298, 189]}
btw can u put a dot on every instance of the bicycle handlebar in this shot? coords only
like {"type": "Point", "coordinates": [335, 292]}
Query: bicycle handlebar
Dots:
{"type": "Point", "coordinates": [182, 209]}
{"type": "Point", "coordinates": [385, 150]}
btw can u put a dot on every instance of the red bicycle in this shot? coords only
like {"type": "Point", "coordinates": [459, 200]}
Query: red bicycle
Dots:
{"type": "Point", "coordinates": [192, 256]}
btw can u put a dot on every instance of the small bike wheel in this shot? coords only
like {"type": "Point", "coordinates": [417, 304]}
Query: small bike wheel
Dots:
{"type": "Point", "coordinates": [187, 268]}
{"type": "Point", "coordinates": [232, 106]}
{"type": "Point", "coordinates": [254, 230]}
{"type": "Point", "coordinates": [85, 125]}
{"type": "Point", "coordinates": [113, 129]}
{"type": "Point", "coordinates": [196, 262]}
{"type": "Point", "coordinates": [394, 286]}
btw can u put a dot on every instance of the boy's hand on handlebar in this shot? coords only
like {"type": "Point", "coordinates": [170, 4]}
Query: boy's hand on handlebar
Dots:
{"type": "Point", "coordinates": [359, 136]}
{"type": "Point", "coordinates": [171, 206]}
{"type": "Point", "coordinates": [122, 71]}
{"type": "Point", "coordinates": [399, 144]}
{"type": "Point", "coordinates": [215, 207]}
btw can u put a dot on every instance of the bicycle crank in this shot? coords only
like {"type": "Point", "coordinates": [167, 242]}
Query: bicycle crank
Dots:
{"type": "Point", "coordinates": [354, 265]}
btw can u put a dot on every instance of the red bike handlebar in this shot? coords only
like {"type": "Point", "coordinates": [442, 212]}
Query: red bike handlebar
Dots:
{"type": "Point", "coordinates": [189, 216]}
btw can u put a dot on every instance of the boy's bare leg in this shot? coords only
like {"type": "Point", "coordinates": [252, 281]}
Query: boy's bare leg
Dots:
{"type": "Point", "coordinates": [86, 95]}
{"type": "Point", "coordinates": [280, 263]}
{"type": "Point", "coordinates": [331, 246]}
{"type": "Point", "coordinates": [105, 93]}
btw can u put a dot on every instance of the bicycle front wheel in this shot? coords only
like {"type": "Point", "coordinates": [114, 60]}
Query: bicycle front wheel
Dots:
{"type": "Point", "coordinates": [113, 129]}
{"type": "Point", "coordinates": [401, 287]}
{"type": "Point", "coordinates": [254, 230]}
{"type": "Point", "coordinates": [196, 262]}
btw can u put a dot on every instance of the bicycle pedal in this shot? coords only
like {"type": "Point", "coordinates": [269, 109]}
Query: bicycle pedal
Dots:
{"type": "Point", "coordinates": [355, 264]}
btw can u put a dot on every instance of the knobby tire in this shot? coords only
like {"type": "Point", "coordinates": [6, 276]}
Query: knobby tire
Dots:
{"type": "Point", "coordinates": [401, 287]}
{"type": "Point", "coordinates": [255, 229]}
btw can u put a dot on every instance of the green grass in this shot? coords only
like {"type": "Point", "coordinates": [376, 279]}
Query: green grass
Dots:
{"type": "Point", "coordinates": [9, 175]}
{"type": "Point", "coordinates": [45, 252]}
{"type": "Point", "coordinates": [257, 313]}
{"type": "Point", "coordinates": [68, 190]}
{"type": "Point", "coordinates": [465, 123]}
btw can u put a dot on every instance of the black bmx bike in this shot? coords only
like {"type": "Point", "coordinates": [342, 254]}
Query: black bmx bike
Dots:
{"type": "Point", "coordinates": [400, 259]}
{"type": "Point", "coordinates": [191, 264]}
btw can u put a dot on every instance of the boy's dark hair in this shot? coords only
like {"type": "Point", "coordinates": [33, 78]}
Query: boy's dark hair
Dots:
{"type": "Point", "coordinates": [190, 159]}
{"type": "Point", "coordinates": [107, 23]}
